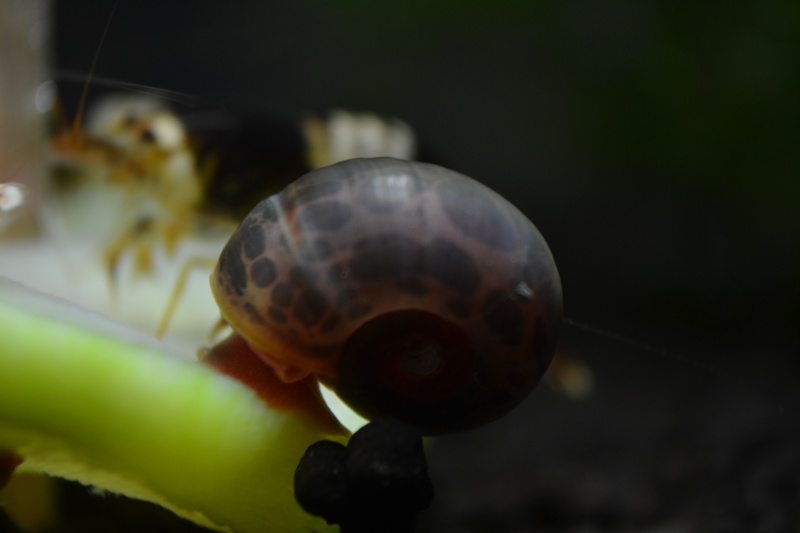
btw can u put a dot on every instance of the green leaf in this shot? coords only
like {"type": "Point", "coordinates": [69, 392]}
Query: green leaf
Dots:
{"type": "Point", "coordinates": [89, 400]}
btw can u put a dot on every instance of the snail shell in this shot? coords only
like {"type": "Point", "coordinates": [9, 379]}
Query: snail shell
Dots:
{"type": "Point", "coordinates": [409, 288]}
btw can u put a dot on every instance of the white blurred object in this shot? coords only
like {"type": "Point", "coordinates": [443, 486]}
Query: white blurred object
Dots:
{"type": "Point", "coordinates": [347, 135]}
{"type": "Point", "coordinates": [13, 197]}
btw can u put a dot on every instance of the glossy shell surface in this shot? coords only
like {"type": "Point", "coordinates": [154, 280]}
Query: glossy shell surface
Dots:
{"type": "Point", "coordinates": [363, 239]}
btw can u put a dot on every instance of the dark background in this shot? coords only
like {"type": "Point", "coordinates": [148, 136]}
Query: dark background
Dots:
{"type": "Point", "coordinates": [656, 148]}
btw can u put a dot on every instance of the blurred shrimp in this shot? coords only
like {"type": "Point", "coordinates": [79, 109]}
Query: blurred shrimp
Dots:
{"type": "Point", "coordinates": [159, 175]}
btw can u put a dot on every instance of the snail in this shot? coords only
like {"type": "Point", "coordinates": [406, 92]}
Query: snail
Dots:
{"type": "Point", "coordinates": [407, 288]}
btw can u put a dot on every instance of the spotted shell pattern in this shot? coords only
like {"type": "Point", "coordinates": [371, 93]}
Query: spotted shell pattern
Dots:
{"type": "Point", "coordinates": [368, 237]}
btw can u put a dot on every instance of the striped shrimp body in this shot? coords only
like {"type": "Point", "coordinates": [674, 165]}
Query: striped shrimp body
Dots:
{"type": "Point", "coordinates": [408, 288]}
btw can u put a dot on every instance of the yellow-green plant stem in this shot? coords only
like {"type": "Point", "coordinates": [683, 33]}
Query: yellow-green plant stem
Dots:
{"type": "Point", "coordinates": [90, 404]}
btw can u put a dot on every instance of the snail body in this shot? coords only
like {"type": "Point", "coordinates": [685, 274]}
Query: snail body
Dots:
{"type": "Point", "coordinates": [409, 288]}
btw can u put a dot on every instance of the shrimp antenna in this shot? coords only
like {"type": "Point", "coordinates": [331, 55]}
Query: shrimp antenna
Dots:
{"type": "Point", "coordinates": [179, 97]}
{"type": "Point", "coordinates": [639, 345]}
{"type": "Point", "coordinates": [82, 104]}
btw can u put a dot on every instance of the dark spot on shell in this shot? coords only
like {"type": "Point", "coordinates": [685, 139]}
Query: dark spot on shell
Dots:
{"type": "Point", "coordinates": [318, 250]}
{"type": "Point", "coordinates": [302, 278]}
{"type": "Point", "coordinates": [345, 297]}
{"type": "Point", "coordinates": [282, 294]}
{"type": "Point", "coordinates": [262, 272]}
{"type": "Point", "coordinates": [411, 286]}
{"type": "Point", "coordinates": [253, 313]}
{"type": "Point", "coordinates": [277, 315]}
{"type": "Point", "coordinates": [324, 216]}
{"type": "Point", "coordinates": [283, 244]}
{"type": "Point", "coordinates": [478, 216]}
{"type": "Point", "coordinates": [309, 307]}
{"type": "Point", "coordinates": [358, 310]}
{"type": "Point", "coordinates": [336, 273]}
{"type": "Point", "coordinates": [253, 241]}
{"type": "Point", "coordinates": [458, 308]}
{"type": "Point", "coordinates": [329, 323]}
{"type": "Point", "coordinates": [386, 256]}
{"type": "Point", "coordinates": [232, 266]}
{"type": "Point", "coordinates": [503, 318]}
{"type": "Point", "coordinates": [453, 267]}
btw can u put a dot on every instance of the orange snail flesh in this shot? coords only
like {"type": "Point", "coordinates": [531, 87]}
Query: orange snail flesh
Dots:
{"type": "Point", "coordinates": [234, 357]}
{"type": "Point", "coordinates": [410, 289]}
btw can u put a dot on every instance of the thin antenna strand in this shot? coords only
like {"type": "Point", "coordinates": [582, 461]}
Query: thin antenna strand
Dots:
{"type": "Point", "coordinates": [183, 98]}
{"type": "Point", "coordinates": [82, 104]}
{"type": "Point", "coordinates": [640, 345]}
